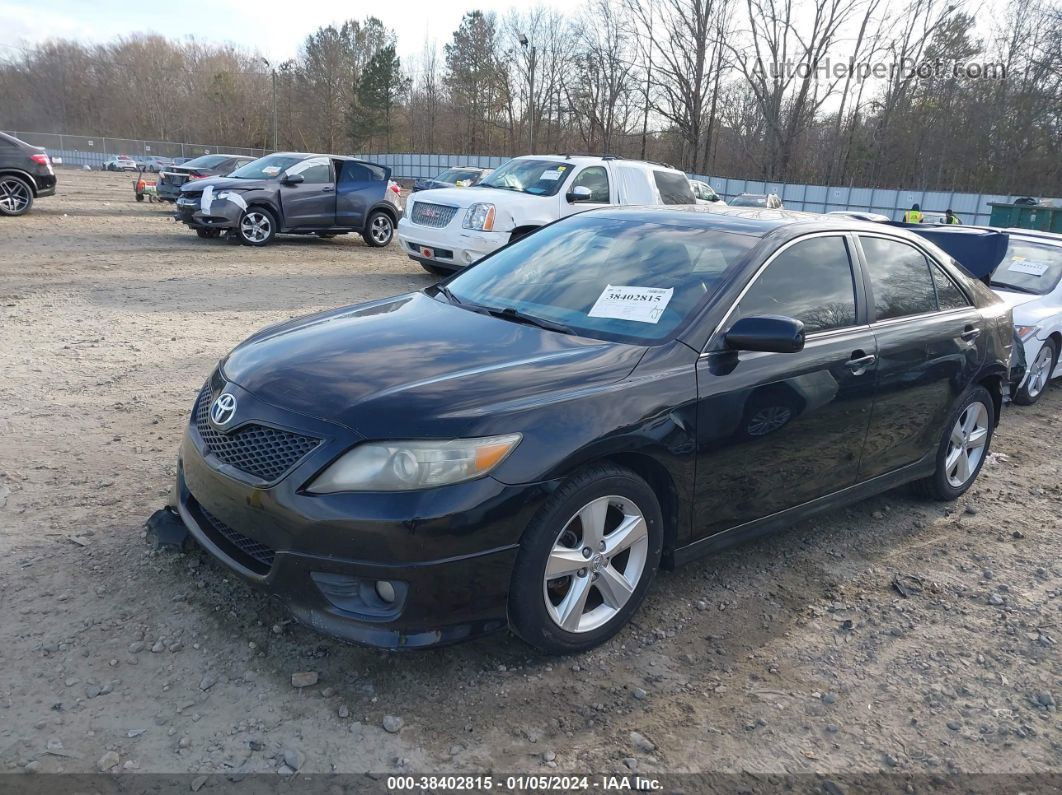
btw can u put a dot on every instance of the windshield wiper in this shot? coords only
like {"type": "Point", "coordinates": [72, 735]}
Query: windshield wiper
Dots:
{"type": "Point", "coordinates": [1014, 287]}
{"type": "Point", "coordinates": [453, 299]}
{"type": "Point", "coordinates": [508, 313]}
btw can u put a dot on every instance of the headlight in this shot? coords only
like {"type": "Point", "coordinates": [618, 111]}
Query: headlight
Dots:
{"type": "Point", "coordinates": [479, 216]}
{"type": "Point", "coordinates": [404, 466]}
{"type": "Point", "coordinates": [1025, 332]}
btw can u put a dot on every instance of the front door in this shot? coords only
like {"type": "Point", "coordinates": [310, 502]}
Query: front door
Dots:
{"type": "Point", "coordinates": [595, 179]}
{"type": "Point", "coordinates": [312, 202]}
{"type": "Point", "coordinates": [929, 344]}
{"type": "Point", "coordinates": [776, 430]}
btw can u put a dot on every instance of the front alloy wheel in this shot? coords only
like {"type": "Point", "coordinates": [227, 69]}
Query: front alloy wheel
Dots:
{"type": "Point", "coordinates": [586, 560]}
{"type": "Point", "coordinates": [16, 198]}
{"type": "Point", "coordinates": [257, 227]}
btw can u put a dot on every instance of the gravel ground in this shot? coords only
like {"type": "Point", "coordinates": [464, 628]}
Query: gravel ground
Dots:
{"type": "Point", "coordinates": [795, 654]}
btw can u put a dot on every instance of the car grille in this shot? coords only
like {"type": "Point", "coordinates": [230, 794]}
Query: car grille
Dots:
{"type": "Point", "coordinates": [264, 452]}
{"type": "Point", "coordinates": [254, 555]}
{"type": "Point", "coordinates": [428, 214]}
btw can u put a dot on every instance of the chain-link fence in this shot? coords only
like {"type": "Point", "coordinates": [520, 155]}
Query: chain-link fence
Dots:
{"type": "Point", "coordinates": [87, 150]}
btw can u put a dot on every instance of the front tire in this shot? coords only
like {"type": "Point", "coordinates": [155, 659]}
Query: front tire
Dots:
{"type": "Point", "coordinates": [963, 447]}
{"type": "Point", "coordinates": [1039, 375]}
{"type": "Point", "coordinates": [379, 229]}
{"type": "Point", "coordinates": [16, 196]}
{"type": "Point", "coordinates": [257, 227]}
{"type": "Point", "coordinates": [586, 561]}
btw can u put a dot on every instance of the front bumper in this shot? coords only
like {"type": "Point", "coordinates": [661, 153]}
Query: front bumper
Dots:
{"type": "Point", "coordinates": [447, 552]}
{"type": "Point", "coordinates": [452, 246]}
{"type": "Point", "coordinates": [223, 214]}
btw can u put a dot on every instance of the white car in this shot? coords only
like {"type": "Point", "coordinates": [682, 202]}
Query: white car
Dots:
{"type": "Point", "coordinates": [450, 228]}
{"type": "Point", "coordinates": [705, 193]}
{"type": "Point", "coordinates": [1028, 279]}
{"type": "Point", "coordinates": [120, 163]}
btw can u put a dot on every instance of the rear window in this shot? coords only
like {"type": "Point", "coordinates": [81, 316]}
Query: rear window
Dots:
{"type": "Point", "coordinates": [674, 188]}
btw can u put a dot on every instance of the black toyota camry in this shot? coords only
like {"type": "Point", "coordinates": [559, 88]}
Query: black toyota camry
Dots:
{"type": "Point", "coordinates": [525, 444]}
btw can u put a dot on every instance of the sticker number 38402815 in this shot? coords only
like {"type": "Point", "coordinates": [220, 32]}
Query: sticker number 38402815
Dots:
{"type": "Point", "coordinates": [626, 302]}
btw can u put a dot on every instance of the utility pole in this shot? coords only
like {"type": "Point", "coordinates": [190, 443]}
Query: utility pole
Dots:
{"type": "Point", "coordinates": [274, 71]}
{"type": "Point", "coordinates": [526, 44]}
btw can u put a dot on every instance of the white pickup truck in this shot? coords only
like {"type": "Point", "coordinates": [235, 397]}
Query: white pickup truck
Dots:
{"type": "Point", "coordinates": [446, 229]}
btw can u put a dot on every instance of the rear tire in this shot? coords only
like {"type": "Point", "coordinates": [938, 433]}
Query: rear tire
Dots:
{"type": "Point", "coordinates": [601, 536]}
{"type": "Point", "coordinates": [1040, 370]}
{"type": "Point", "coordinates": [16, 196]}
{"type": "Point", "coordinates": [379, 229]}
{"type": "Point", "coordinates": [257, 227]}
{"type": "Point", "coordinates": [963, 447]}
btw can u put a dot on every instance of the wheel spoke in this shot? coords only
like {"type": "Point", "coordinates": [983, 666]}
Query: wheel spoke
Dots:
{"type": "Point", "coordinates": [962, 470]}
{"type": "Point", "coordinates": [614, 588]}
{"type": "Point", "coordinates": [977, 438]}
{"type": "Point", "coordinates": [957, 437]}
{"type": "Point", "coordinates": [952, 457]}
{"type": "Point", "coordinates": [631, 530]}
{"type": "Point", "coordinates": [592, 518]}
{"type": "Point", "coordinates": [969, 418]}
{"type": "Point", "coordinates": [563, 562]}
{"type": "Point", "coordinates": [570, 610]}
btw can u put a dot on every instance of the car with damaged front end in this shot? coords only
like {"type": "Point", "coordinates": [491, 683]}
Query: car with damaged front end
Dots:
{"type": "Point", "coordinates": [525, 444]}
{"type": "Point", "coordinates": [293, 193]}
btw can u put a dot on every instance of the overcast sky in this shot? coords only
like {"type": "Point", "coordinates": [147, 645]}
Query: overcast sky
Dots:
{"type": "Point", "coordinates": [274, 28]}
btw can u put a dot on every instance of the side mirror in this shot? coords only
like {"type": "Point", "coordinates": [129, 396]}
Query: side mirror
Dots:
{"type": "Point", "coordinates": [293, 179]}
{"type": "Point", "coordinates": [580, 193]}
{"type": "Point", "coordinates": [771, 333]}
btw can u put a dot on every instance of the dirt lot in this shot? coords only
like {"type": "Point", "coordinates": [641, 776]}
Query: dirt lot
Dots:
{"type": "Point", "coordinates": [791, 655]}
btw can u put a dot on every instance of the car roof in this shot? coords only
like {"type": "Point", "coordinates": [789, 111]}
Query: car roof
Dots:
{"type": "Point", "coordinates": [755, 221]}
{"type": "Point", "coordinates": [566, 158]}
{"type": "Point", "coordinates": [304, 155]}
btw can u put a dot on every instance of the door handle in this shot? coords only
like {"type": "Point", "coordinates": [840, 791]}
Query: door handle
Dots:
{"type": "Point", "coordinates": [859, 364]}
{"type": "Point", "coordinates": [971, 333]}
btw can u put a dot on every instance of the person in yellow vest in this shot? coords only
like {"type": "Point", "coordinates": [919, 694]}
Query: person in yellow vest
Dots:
{"type": "Point", "coordinates": [914, 215]}
{"type": "Point", "coordinates": [950, 217]}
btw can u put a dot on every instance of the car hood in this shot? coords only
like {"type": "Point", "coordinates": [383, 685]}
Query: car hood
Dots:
{"type": "Point", "coordinates": [1013, 298]}
{"type": "Point", "coordinates": [503, 199]}
{"type": "Point", "coordinates": [416, 366]}
{"type": "Point", "coordinates": [226, 183]}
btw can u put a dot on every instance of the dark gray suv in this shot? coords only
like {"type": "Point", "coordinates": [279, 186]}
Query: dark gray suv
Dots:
{"type": "Point", "coordinates": [293, 193]}
{"type": "Point", "coordinates": [25, 174]}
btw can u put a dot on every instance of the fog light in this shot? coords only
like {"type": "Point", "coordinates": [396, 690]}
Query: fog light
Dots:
{"type": "Point", "coordinates": [385, 591]}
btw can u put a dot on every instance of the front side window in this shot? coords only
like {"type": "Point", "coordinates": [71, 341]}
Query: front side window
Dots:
{"type": "Point", "coordinates": [537, 177]}
{"type": "Point", "coordinates": [810, 281]}
{"type": "Point", "coordinates": [899, 278]}
{"type": "Point", "coordinates": [314, 170]}
{"type": "Point", "coordinates": [674, 188]}
{"type": "Point", "coordinates": [596, 179]}
{"type": "Point", "coordinates": [627, 280]}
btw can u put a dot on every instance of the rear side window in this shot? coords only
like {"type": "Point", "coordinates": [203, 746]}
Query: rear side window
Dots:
{"type": "Point", "coordinates": [899, 278]}
{"type": "Point", "coordinates": [810, 281]}
{"type": "Point", "coordinates": [674, 188]}
{"type": "Point", "coordinates": [949, 296]}
{"type": "Point", "coordinates": [362, 172]}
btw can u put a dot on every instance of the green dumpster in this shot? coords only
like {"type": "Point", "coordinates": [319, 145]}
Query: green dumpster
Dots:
{"type": "Point", "coordinates": [1027, 216]}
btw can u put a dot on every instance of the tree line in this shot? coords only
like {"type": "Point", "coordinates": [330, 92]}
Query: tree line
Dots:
{"type": "Point", "coordinates": [940, 94]}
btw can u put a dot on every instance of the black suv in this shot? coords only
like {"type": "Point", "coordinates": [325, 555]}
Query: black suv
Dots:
{"type": "Point", "coordinates": [25, 174]}
{"type": "Point", "coordinates": [293, 193]}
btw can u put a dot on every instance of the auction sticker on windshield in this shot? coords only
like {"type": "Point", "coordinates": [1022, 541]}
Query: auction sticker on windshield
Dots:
{"type": "Point", "coordinates": [625, 302]}
{"type": "Point", "coordinates": [1028, 266]}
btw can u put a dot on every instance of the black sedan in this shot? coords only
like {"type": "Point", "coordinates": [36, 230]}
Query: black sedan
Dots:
{"type": "Point", "coordinates": [525, 444]}
{"type": "Point", "coordinates": [171, 177]}
{"type": "Point", "coordinates": [293, 193]}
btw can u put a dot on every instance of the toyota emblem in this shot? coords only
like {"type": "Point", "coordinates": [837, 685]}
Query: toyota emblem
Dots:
{"type": "Point", "coordinates": [224, 409]}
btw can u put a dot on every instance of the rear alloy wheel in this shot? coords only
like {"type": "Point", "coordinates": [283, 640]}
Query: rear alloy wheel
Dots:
{"type": "Point", "coordinates": [586, 561]}
{"type": "Point", "coordinates": [257, 227]}
{"type": "Point", "coordinates": [379, 230]}
{"type": "Point", "coordinates": [964, 447]}
{"type": "Point", "coordinates": [16, 196]}
{"type": "Point", "coordinates": [1039, 375]}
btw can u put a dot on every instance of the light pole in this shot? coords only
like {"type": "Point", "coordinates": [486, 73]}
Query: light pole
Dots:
{"type": "Point", "coordinates": [274, 71]}
{"type": "Point", "coordinates": [526, 44]}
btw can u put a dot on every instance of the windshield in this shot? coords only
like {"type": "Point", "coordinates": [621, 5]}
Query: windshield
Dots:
{"type": "Point", "coordinates": [268, 167]}
{"type": "Point", "coordinates": [1029, 267]}
{"type": "Point", "coordinates": [206, 161]}
{"type": "Point", "coordinates": [627, 280]}
{"type": "Point", "coordinates": [749, 201]}
{"type": "Point", "coordinates": [537, 177]}
{"type": "Point", "coordinates": [454, 175]}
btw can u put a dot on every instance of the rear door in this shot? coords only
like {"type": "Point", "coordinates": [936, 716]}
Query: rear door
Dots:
{"type": "Point", "coordinates": [312, 202]}
{"type": "Point", "coordinates": [776, 430]}
{"type": "Point", "coordinates": [930, 344]}
{"type": "Point", "coordinates": [360, 186]}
